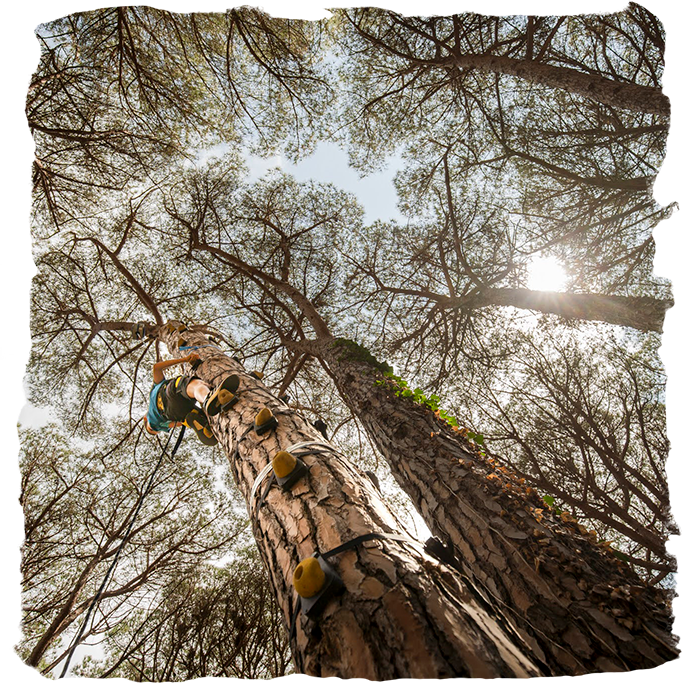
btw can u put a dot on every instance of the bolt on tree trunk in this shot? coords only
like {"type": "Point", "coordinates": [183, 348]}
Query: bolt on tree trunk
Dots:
{"type": "Point", "coordinates": [578, 606]}
{"type": "Point", "coordinates": [402, 614]}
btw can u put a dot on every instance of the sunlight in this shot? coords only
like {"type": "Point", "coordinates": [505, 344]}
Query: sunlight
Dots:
{"type": "Point", "coordinates": [546, 274]}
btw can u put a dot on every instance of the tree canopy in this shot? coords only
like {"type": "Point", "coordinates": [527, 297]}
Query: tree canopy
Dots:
{"type": "Point", "coordinates": [519, 137]}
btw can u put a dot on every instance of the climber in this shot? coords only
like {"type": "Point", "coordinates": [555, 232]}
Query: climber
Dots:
{"type": "Point", "coordinates": [173, 402]}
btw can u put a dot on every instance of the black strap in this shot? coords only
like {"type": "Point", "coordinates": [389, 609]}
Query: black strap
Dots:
{"type": "Point", "coordinates": [340, 548]}
{"type": "Point", "coordinates": [244, 434]}
{"type": "Point", "coordinates": [433, 547]}
{"type": "Point", "coordinates": [178, 441]}
{"type": "Point", "coordinates": [365, 537]}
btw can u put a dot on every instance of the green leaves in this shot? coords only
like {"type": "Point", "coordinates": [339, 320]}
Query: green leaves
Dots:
{"type": "Point", "coordinates": [550, 502]}
{"type": "Point", "coordinates": [450, 419]}
{"type": "Point", "coordinates": [356, 352]}
{"type": "Point", "coordinates": [400, 388]}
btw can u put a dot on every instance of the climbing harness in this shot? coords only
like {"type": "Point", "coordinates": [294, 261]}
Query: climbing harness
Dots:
{"type": "Point", "coordinates": [110, 571]}
{"type": "Point", "coordinates": [139, 330]}
{"type": "Point", "coordinates": [201, 346]}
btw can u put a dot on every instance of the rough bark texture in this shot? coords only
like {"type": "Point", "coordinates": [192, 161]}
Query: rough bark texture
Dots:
{"type": "Point", "coordinates": [603, 90]}
{"type": "Point", "coordinates": [642, 313]}
{"type": "Point", "coordinates": [580, 608]}
{"type": "Point", "coordinates": [403, 613]}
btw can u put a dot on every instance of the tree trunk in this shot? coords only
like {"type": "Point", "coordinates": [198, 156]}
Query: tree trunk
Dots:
{"type": "Point", "coordinates": [641, 98]}
{"type": "Point", "coordinates": [639, 312]}
{"type": "Point", "coordinates": [581, 609]}
{"type": "Point", "coordinates": [402, 615]}
{"type": "Point", "coordinates": [66, 615]}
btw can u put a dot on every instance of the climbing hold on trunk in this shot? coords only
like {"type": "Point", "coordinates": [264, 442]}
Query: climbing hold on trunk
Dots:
{"type": "Point", "coordinates": [288, 469]}
{"type": "Point", "coordinates": [309, 577]}
{"type": "Point", "coordinates": [284, 464]}
{"type": "Point", "coordinates": [316, 582]}
{"type": "Point", "coordinates": [264, 421]}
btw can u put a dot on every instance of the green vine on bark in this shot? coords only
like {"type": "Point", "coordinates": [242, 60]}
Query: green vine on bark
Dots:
{"type": "Point", "coordinates": [352, 351]}
{"type": "Point", "coordinates": [355, 352]}
{"type": "Point", "coordinates": [401, 389]}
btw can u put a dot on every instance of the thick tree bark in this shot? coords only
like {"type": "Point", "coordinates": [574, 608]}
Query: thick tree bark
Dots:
{"type": "Point", "coordinates": [606, 91]}
{"type": "Point", "coordinates": [639, 312]}
{"type": "Point", "coordinates": [402, 614]}
{"type": "Point", "coordinates": [581, 609]}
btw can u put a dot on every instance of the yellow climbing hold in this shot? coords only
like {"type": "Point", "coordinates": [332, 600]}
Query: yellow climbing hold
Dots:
{"type": "Point", "coordinates": [309, 577]}
{"type": "Point", "coordinates": [283, 464]}
{"type": "Point", "coordinates": [225, 396]}
{"type": "Point", "coordinates": [264, 416]}
{"type": "Point", "coordinates": [264, 421]}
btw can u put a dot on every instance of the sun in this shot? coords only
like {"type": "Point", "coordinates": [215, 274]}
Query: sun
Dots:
{"type": "Point", "coordinates": [546, 274]}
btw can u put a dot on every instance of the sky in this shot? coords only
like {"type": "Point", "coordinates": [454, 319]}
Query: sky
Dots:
{"type": "Point", "coordinates": [329, 164]}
